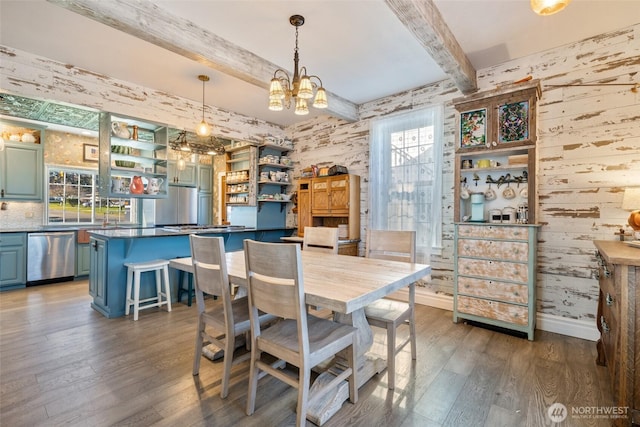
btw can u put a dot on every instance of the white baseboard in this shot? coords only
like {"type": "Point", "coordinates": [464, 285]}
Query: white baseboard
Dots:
{"type": "Point", "coordinates": [584, 329]}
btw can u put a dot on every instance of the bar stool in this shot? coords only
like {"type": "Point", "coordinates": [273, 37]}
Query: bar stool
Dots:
{"type": "Point", "coordinates": [134, 271]}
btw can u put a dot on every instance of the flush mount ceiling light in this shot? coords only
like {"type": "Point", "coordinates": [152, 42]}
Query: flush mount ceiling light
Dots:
{"type": "Point", "coordinates": [301, 87]}
{"type": "Point", "coordinates": [203, 128]}
{"type": "Point", "coordinates": [548, 7]}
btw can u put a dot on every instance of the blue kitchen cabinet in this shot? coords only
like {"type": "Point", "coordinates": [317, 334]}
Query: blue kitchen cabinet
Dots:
{"type": "Point", "coordinates": [83, 259]}
{"type": "Point", "coordinates": [186, 177]}
{"type": "Point", "coordinates": [205, 179]}
{"type": "Point", "coordinates": [13, 265]}
{"type": "Point", "coordinates": [21, 169]}
{"type": "Point", "coordinates": [98, 275]}
{"type": "Point", "coordinates": [205, 201]}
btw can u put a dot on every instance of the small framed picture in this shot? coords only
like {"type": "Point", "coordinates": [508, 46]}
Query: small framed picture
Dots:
{"type": "Point", "coordinates": [91, 153]}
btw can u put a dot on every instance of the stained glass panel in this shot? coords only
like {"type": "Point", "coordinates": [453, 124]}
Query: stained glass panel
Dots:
{"type": "Point", "coordinates": [513, 122]}
{"type": "Point", "coordinates": [473, 128]}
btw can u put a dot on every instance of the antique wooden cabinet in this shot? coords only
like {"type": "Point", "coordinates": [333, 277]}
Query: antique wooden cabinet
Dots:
{"type": "Point", "coordinates": [495, 275]}
{"type": "Point", "coordinates": [330, 201]}
{"type": "Point", "coordinates": [495, 207]}
{"type": "Point", "coordinates": [618, 320]}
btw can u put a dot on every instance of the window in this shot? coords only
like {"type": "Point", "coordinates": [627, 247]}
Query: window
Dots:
{"type": "Point", "coordinates": [405, 175]}
{"type": "Point", "coordinates": [73, 199]}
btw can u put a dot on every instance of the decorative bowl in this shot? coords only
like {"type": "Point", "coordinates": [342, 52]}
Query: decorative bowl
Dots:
{"type": "Point", "coordinates": [125, 164]}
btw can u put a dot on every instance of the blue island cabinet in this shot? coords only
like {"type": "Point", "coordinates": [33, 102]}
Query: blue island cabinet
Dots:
{"type": "Point", "coordinates": [111, 249]}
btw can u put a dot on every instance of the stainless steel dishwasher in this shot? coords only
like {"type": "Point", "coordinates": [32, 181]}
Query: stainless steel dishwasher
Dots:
{"type": "Point", "coordinates": [50, 257]}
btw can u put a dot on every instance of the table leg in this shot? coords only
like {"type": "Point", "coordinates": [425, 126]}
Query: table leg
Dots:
{"type": "Point", "coordinates": [330, 403]}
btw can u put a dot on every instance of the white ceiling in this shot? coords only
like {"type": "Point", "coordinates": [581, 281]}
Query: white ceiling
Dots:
{"type": "Point", "coordinates": [359, 48]}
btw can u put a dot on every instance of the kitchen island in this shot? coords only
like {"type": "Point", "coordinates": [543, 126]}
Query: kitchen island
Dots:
{"type": "Point", "coordinates": [111, 248]}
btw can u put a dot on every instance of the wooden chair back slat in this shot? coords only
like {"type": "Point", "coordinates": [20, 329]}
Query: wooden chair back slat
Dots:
{"type": "Point", "coordinates": [277, 289]}
{"type": "Point", "coordinates": [393, 245]}
{"type": "Point", "coordinates": [210, 270]}
{"type": "Point", "coordinates": [321, 239]}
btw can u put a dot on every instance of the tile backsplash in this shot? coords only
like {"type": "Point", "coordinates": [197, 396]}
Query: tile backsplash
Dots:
{"type": "Point", "coordinates": [21, 215]}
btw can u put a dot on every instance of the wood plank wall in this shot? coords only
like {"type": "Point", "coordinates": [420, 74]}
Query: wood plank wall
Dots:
{"type": "Point", "coordinates": [589, 146]}
{"type": "Point", "coordinates": [589, 151]}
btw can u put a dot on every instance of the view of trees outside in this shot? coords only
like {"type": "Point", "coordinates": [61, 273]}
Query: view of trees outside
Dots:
{"type": "Point", "coordinates": [73, 199]}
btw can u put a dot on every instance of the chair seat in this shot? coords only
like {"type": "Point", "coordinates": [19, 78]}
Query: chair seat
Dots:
{"type": "Point", "coordinates": [387, 310]}
{"type": "Point", "coordinates": [324, 336]}
{"type": "Point", "coordinates": [240, 307]}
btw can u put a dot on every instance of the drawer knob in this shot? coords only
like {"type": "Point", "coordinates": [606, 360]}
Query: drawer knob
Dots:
{"type": "Point", "coordinates": [609, 299]}
{"type": "Point", "coordinates": [603, 323]}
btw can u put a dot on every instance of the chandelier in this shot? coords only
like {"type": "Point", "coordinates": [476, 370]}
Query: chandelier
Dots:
{"type": "Point", "coordinates": [548, 7]}
{"type": "Point", "coordinates": [301, 87]}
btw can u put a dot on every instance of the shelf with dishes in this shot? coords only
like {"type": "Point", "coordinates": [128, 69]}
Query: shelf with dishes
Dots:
{"type": "Point", "coordinates": [133, 159]}
{"type": "Point", "coordinates": [495, 186]}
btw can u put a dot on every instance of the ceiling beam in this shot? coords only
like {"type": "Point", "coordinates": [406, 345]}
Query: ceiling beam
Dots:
{"type": "Point", "coordinates": [147, 21]}
{"type": "Point", "coordinates": [422, 18]}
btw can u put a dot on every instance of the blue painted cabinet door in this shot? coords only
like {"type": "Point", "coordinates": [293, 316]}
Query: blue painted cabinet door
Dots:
{"type": "Point", "coordinates": [98, 273]}
{"type": "Point", "coordinates": [21, 169]}
{"type": "Point", "coordinates": [13, 267]}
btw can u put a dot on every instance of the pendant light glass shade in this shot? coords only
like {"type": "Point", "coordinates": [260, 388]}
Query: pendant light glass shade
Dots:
{"type": "Point", "coordinates": [203, 129]}
{"type": "Point", "coordinates": [548, 7]}
{"type": "Point", "coordinates": [181, 164]}
{"type": "Point", "coordinates": [301, 107]}
{"type": "Point", "coordinates": [305, 91]}
{"type": "Point", "coordinates": [275, 104]}
{"type": "Point", "coordinates": [275, 90]}
{"type": "Point", "coordinates": [321, 99]}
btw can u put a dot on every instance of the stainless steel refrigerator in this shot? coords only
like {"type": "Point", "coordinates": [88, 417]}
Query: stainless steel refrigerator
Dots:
{"type": "Point", "coordinates": [180, 207]}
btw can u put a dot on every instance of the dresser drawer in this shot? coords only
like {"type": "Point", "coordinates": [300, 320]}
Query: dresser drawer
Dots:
{"type": "Point", "coordinates": [509, 271]}
{"type": "Point", "coordinates": [510, 313]}
{"type": "Point", "coordinates": [493, 289]}
{"type": "Point", "coordinates": [494, 231]}
{"type": "Point", "coordinates": [511, 251]}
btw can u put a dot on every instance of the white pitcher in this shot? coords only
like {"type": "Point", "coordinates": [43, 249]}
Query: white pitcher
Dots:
{"type": "Point", "coordinates": [154, 185]}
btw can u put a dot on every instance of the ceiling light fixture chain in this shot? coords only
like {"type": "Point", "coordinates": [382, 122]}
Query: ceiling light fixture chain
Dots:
{"type": "Point", "coordinates": [203, 128]}
{"type": "Point", "coordinates": [301, 87]}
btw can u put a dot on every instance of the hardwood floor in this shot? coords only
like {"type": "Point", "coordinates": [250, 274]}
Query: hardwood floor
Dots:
{"type": "Point", "coordinates": [61, 362]}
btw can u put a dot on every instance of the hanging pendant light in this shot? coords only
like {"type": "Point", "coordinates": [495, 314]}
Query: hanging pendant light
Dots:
{"type": "Point", "coordinates": [203, 128]}
{"type": "Point", "coordinates": [548, 7]}
{"type": "Point", "coordinates": [300, 87]}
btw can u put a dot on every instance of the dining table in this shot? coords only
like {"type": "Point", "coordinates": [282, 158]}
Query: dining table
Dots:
{"type": "Point", "coordinates": [345, 285]}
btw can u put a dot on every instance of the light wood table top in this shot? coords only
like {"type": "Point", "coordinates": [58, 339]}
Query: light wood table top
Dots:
{"type": "Point", "coordinates": [341, 283]}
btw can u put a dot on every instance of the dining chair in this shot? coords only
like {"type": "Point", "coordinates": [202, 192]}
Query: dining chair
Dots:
{"type": "Point", "coordinates": [300, 339]}
{"type": "Point", "coordinates": [388, 313]}
{"type": "Point", "coordinates": [320, 239]}
{"type": "Point", "coordinates": [229, 318]}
